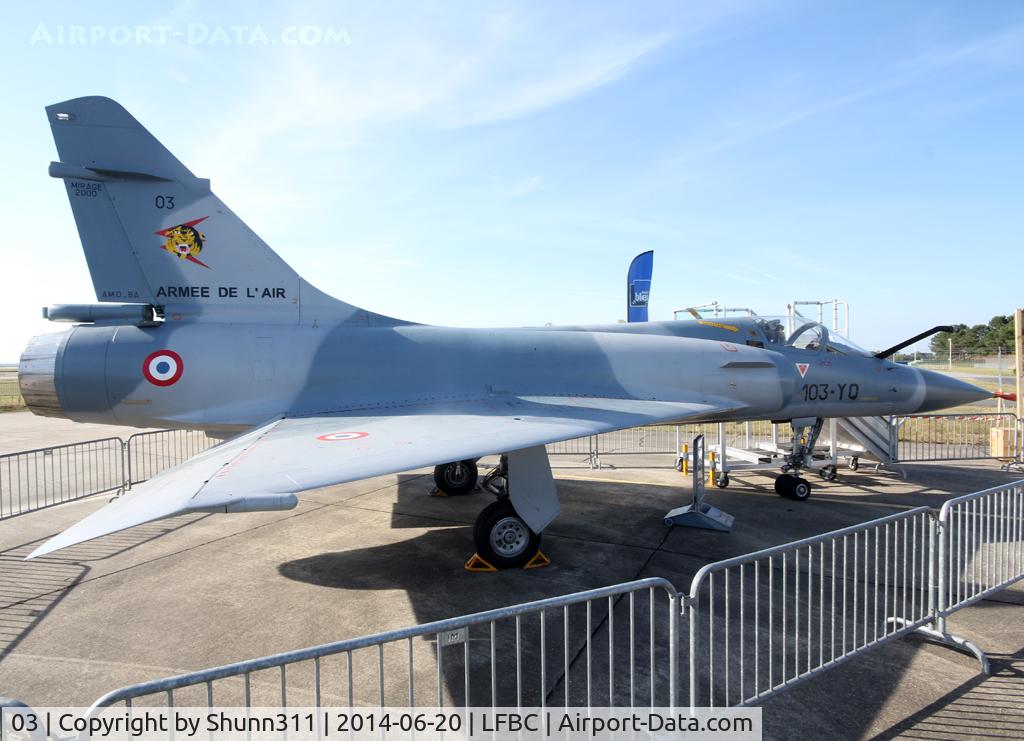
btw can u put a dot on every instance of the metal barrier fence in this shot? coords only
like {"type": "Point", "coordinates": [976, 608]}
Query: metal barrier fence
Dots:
{"type": "Point", "coordinates": [35, 479]}
{"type": "Point", "coordinates": [919, 438]}
{"type": "Point", "coordinates": [149, 453]}
{"type": "Point", "coordinates": [756, 625]}
{"type": "Point", "coordinates": [38, 478]}
{"type": "Point", "coordinates": [763, 622]}
{"type": "Point", "coordinates": [981, 538]}
{"type": "Point", "coordinates": [563, 651]}
{"type": "Point", "coordinates": [10, 393]}
{"type": "Point", "coordinates": [664, 439]}
{"type": "Point", "coordinates": [580, 446]}
{"type": "Point", "coordinates": [957, 437]}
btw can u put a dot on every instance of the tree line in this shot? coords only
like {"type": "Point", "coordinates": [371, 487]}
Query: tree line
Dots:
{"type": "Point", "coordinates": [981, 339]}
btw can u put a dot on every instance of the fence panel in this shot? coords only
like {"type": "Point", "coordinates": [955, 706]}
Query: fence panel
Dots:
{"type": "Point", "coordinates": [957, 437]}
{"type": "Point", "coordinates": [638, 440]}
{"type": "Point", "coordinates": [580, 446]}
{"type": "Point", "coordinates": [981, 545]}
{"type": "Point", "coordinates": [10, 393]}
{"type": "Point", "coordinates": [34, 479]}
{"type": "Point", "coordinates": [610, 646]}
{"type": "Point", "coordinates": [755, 625]}
{"type": "Point", "coordinates": [669, 438]}
{"type": "Point", "coordinates": [763, 622]}
{"type": "Point", "coordinates": [149, 453]}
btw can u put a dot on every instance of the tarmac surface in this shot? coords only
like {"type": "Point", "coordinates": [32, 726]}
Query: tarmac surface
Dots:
{"type": "Point", "coordinates": [202, 590]}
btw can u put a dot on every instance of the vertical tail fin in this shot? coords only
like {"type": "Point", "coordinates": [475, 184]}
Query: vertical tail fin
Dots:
{"type": "Point", "coordinates": [155, 233]}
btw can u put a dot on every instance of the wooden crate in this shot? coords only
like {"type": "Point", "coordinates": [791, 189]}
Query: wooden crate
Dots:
{"type": "Point", "coordinates": [1002, 443]}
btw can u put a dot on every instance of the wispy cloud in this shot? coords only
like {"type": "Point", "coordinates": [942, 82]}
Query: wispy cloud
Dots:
{"type": "Point", "coordinates": [552, 80]}
{"type": "Point", "coordinates": [1000, 48]}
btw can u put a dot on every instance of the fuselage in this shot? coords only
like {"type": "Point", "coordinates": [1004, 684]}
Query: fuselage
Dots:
{"type": "Point", "coordinates": [235, 376]}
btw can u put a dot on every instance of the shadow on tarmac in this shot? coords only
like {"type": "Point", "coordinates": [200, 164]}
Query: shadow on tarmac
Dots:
{"type": "Point", "coordinates": [588, 537]}
{"type": "Point", "coordinates": [30, 590]}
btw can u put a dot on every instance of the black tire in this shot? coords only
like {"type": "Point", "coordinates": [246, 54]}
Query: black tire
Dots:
{"type": "Point", "coordinates": [502, 538]}
{"type": "Point", "coordinates": [783, 484]}
{"type": "Point", "coordinates": [828, 473]}
{"type": "Point", "coordinates": [722, 480]}
{"type": "Point", "coordinates": [854, 463]}
{"type": "Point", "coordinates": [799, 490]}
{"type": "Point", "coordinates": [456, 478]}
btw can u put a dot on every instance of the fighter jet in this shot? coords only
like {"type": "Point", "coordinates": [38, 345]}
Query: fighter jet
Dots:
{"type": "Point", "coordinates": [201, 325]}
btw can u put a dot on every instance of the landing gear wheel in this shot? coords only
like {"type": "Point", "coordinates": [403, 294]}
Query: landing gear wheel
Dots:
{"type": "Point", "coordinates": [799, 490]}
{"type": "Point", "coordinates": [854, 463]}
{"type": "Point", "coordinates": [456, 478]}
{"type": "Point", "coordinates": [828, 473]}
{"type": "Point", "coordinates": [502, 538]}
{"type": "Point", "coordinates": [722, 480]}
{"type": "Point", "coordinates": [792, 487]}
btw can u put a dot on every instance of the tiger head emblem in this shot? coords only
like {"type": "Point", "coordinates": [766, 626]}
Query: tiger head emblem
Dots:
{"type": "Point", "coordinates": [185, 241]}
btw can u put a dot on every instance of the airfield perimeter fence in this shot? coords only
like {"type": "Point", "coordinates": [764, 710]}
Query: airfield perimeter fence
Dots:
{"type": "Point", "coordinates": [748, 628]}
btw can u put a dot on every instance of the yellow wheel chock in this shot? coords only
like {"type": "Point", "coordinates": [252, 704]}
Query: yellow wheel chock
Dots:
{"type": "Point", "coordinates": [539, 560]}
{"type": "Point", "coordinates": [478, 565]}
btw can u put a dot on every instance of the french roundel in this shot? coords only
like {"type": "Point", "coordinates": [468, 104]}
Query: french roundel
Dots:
{"type": "Point", "coordinates": [340, 436]}
{"type": "Point", "coordinates": [163, 367]}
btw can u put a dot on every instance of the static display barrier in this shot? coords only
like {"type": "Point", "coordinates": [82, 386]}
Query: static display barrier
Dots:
{"type": "Point", "coordinates": [31, 480]}
{"type": "Point", "coordinates": [748, 628]}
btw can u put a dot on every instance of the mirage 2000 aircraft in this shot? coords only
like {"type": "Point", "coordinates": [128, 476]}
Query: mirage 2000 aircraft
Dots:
{"type": "Point", "coordinates": [201, 325]}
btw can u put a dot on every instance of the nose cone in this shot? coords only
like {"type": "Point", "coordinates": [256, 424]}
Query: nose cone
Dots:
{"type": "Point", "coordinates": [942, 392]}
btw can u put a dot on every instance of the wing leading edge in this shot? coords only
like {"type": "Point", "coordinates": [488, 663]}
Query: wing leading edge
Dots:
{"type": "Point", "coordinates": [264, 468]}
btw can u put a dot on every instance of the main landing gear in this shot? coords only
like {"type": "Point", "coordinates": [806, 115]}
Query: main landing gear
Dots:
{"type": "Point", "coordinates": [507, 532]}
{"type": "Point", "coordinates": [502, 538]}
{"type": "Point", "coordinates": [455, 479]}
{"type": "Point", "coordinates": [790, 484]}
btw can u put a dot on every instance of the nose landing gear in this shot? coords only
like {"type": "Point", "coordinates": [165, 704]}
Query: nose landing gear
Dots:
{"type": "Point", "coordinates": [790, 484]}
{"type": "Point", "coordinates": [792, 487]}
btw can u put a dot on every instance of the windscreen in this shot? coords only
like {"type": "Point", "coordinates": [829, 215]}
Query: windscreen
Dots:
{"type": "Point", "coordinates": [804, 334]}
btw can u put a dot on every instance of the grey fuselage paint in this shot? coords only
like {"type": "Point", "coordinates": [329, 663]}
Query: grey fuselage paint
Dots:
{"type": "Point", "coordinates": [235, 376]}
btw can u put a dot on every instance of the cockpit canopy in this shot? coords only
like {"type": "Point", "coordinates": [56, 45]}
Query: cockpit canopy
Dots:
{"type": "Point", "coordinates": [804, 334]}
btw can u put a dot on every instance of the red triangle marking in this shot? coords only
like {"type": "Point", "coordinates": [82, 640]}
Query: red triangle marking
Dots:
{"type": "Point", "coordinates": [803, 368]}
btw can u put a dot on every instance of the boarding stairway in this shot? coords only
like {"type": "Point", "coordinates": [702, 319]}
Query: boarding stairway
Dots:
{"type": "Point", "coordinates": [870, 437]}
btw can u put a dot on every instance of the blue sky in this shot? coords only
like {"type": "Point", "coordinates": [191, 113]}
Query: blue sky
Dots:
{"type": "Point", "coordinates": [480, 164]}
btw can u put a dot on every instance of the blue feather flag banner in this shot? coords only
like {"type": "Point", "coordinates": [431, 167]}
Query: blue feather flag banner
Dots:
{"type": "Point", "coordinates": [638, 286]}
